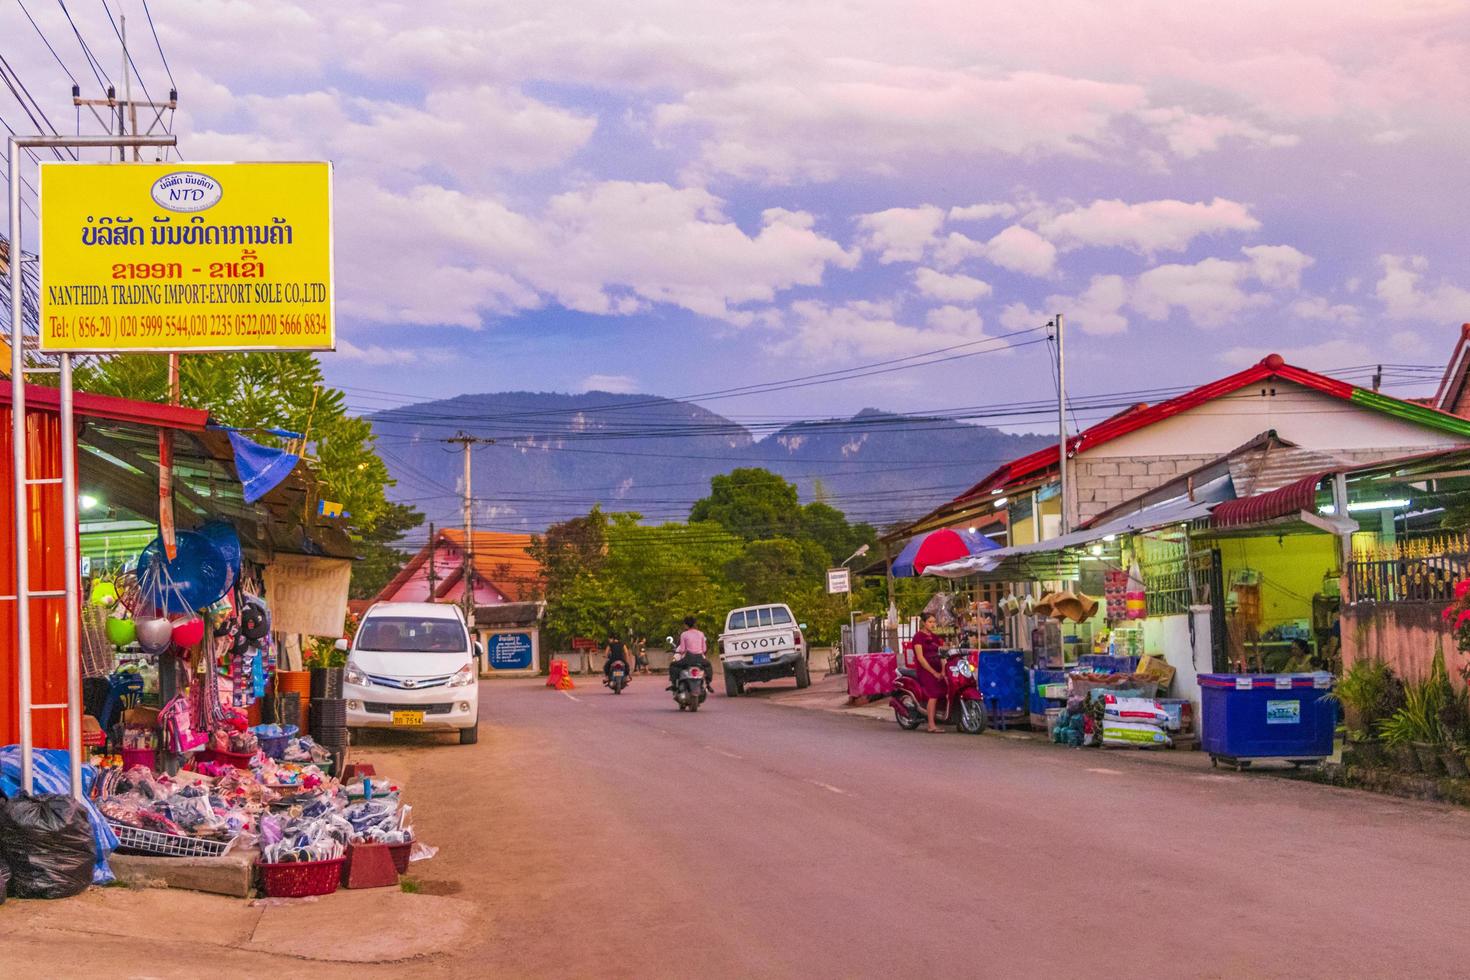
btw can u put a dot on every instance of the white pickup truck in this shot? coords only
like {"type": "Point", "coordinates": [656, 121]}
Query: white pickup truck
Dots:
{"type": "Point", "coordinates": [762, 643]}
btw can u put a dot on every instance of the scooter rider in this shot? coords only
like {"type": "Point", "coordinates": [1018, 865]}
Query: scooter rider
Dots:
{"type": "Point", "coordinates": [690, 652]}
{"type": "Point", "coordinates": [616, 652]}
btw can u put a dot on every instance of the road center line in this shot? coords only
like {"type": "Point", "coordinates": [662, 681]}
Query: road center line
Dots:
{"type": "Point", "coordinates": [568, 694]}
{"type": "Point", "coordinates": [1107, 772]}
{"type": "Point", "coordinates": [828, 787]}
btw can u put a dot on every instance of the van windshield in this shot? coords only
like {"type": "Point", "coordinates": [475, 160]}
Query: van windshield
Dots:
{"type": "Point", "coordinates": [412, 634]}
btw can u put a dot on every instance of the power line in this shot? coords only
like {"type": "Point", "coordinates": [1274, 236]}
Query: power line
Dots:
{"type": "Point", "coordinates": [126, 53]}
{"type": "Point", "coordinates": [98, 71]}
{"type": "Point", "coordinates": [45, 41]}
{"type": "Point", "coordinates": [162, 57]}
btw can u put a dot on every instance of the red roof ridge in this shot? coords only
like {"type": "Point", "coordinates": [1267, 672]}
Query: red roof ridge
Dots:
{"type": "Point", "coordinates": [1273, 365]}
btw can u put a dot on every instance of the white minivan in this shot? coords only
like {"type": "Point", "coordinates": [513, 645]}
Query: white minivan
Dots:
{"type": "Point", "coordinates": [412, 666]}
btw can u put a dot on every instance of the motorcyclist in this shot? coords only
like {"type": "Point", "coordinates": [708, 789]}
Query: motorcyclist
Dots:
{"type": "Point", "coordinates": [690, 653]}
{"type": "Point", "coordinates": [617, 652]}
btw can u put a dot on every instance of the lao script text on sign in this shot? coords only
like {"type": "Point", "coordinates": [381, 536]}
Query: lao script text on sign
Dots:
{"type": "Point", "coordinates": [186, 257]}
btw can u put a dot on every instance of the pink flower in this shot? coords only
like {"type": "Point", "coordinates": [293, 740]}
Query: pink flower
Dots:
{"type": "Point", "coordinates": [1461, 588]}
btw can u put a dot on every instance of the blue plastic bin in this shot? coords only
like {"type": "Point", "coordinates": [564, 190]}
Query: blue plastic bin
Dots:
{"type": "Point", "coordinates": [1267, 716]}
{"type": "Point", "coordinates": [1001, 677]}
{"type": "Point", "coordinates": [1040, 676]}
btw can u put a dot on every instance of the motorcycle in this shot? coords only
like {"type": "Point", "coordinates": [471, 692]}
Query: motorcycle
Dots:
{"type": "Point", "coordinates": [617, 678]}
{"type": "Point", "coordinates": [689, 690]}
{"type": "Point", "coordinates": [963, 703]}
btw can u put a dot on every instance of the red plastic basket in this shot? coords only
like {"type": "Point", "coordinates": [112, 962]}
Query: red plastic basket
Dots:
{"type": "Point", "coordinates": [400, 854]}
{"type": "Point", "coordinates": [240, 760]}
{"type": "Point", "coordinates": [298, 879]}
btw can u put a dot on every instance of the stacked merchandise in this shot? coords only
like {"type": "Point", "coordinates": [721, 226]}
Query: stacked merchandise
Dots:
{"type": "Point", "coordinates": [1133, 722]}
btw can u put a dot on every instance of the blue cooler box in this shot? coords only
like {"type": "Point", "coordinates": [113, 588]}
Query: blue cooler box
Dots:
{"type": "Point", "coordinates": [1267, 716]}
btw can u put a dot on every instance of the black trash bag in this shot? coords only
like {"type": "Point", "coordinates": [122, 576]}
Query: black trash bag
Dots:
{"type": "Point", "coordinates": [47, 840]}
{"type": "Point", "coordinates": [4, 874]}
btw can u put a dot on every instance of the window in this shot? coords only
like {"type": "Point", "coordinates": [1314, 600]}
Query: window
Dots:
{"type": "Point", "coordinates": [737, 620]}
{"type": "Point", "coordinates": [779, 616]}
{"type": "Point", "coordinates": [765, 615]}
{"type": "Point", "coordinates": [412, 634]}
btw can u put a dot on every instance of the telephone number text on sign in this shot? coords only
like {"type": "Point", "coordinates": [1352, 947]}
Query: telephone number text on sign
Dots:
{"type": "Point", "coordinates": [139, 257]}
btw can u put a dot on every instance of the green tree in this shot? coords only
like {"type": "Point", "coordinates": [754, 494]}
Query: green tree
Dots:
{"type": "Point", "coordinates": [380, 558]}
{"type": "Point", "coordinates": [276, 390]}
{"type": "Point", "coordinates": [773, 569]}
{"type": "Point", "coordinates": [828, 526]}
{"type": "Point", "coordinates": [750, 503]}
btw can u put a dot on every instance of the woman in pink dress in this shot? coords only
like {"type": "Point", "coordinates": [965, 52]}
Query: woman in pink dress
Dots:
{"type": "Point", "coordinates": [929, 665]}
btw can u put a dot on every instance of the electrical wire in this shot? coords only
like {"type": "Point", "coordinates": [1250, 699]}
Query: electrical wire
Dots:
{"type": "Point", "coordinates": [161, 56]}
{"type": "Point", "coordinates": [44, 40]}
{"type": "Point", "coordinates": [98, 71]}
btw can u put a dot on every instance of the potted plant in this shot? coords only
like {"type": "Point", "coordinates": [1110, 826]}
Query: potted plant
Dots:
{"type": "Point", "coordinates": [325, 661]}
{"type": "Point", "coordinates": [1369, 693]}
{"type": "Point", "coordinates": [1420, 722]}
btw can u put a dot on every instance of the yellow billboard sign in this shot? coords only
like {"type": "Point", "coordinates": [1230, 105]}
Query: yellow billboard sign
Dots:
{"type": "Point", "coordinates": [186, 257]}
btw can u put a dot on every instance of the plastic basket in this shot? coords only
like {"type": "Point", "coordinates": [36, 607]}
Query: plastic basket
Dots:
{"type": "Point", "coordinates": [298, 879]}
{"type": "Point", "coordinates": [142, 841]}
{"type": "Point", "coordinates": [139, 757]}
{"type": "Point", "coordinates": [240, 760]}
{"type": "Point", "coordinates": [275, 745]}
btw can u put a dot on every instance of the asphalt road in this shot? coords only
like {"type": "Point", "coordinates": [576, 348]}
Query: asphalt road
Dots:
{"type": "Point", "coordinates": [617, 837]}
{"type": "Point", "coordinates": [592, 835]}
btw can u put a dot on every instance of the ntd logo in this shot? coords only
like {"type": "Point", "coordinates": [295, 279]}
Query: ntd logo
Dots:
{"type": "Point", "coordinates": [186, 191]}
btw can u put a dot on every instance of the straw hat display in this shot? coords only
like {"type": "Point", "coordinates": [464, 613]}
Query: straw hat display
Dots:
{"type": "Point", "coordinates": [1078, 607]}
{"type": "Point", "coordinates": [1046, 605]}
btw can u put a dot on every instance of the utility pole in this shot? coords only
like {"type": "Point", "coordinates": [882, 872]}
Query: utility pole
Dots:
{"type": "Point", "coordinates": [1062, 420]}
{"type": "Point", "coordinates": [433, 557]}
{"type": "Point", "coordinates": [468, 575]}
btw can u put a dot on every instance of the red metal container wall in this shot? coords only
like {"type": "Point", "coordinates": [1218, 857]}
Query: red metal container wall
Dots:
{"type": "Point", "coordinates": [47, 571]}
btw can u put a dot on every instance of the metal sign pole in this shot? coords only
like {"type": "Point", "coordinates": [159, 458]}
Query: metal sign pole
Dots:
{"type": "Point", "coordinates": [72, 592]}
{"type": "Point", "coordinates": [18, 471]}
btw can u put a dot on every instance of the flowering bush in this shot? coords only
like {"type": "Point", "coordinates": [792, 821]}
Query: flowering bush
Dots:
{"type": "Point", "coordinates": [1457, 615]}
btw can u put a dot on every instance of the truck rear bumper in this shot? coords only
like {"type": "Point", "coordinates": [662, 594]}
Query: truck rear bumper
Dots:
{"type": "Point", "coordinates": [780, 665]}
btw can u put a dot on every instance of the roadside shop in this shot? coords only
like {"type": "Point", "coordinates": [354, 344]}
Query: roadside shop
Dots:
{"type": "Point", "coordinates": [199, 741]}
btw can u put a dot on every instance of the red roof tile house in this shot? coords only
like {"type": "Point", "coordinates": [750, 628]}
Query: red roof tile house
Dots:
{"type": "Point", "coordinates": [1134, 452]}
{"type": "Point", "coordinates": [503, 570]}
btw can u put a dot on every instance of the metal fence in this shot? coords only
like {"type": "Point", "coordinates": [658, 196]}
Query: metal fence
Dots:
{"type": "Point", "coordinates": [1175, 578]}
{"type": "Point", "coordinates": [1425, 578]}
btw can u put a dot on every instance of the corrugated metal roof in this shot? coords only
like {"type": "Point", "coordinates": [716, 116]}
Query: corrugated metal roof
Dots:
{"type": "Point", "coordinates": [1271, 366]}
{"type": "Point", "coordinates": [1278, 465]}
{"type": "Point", "coordinates": [1293, 498]}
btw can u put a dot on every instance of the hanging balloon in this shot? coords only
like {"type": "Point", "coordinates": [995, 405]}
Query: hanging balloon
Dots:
{"type": "Point", "coordinates": [120, 631]}
{"type": "Point", "coordinates": [154, 633]}
{"type": "Point", "coordinates": [104, 593]}
{"type": "Point", "coordinates": [188, 632]}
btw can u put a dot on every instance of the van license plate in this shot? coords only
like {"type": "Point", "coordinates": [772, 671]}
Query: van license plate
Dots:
{"type": "Point", "coordinates": [761, 658]}
{"type": "Point", "coordinates": [408, 717]}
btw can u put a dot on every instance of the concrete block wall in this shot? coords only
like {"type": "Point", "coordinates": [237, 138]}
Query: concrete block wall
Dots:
{"type": "Point", "coordinates": [1104, 483]}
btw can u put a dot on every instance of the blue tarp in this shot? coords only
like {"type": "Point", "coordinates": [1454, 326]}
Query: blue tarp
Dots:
{"type": "Point", "coordinates": [260, 468]}
{"type": "Point", "coordinates": [52, 775]}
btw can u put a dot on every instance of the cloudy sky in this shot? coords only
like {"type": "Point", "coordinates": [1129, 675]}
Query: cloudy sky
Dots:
{"type": "Point", "coordinates": [681, 197]}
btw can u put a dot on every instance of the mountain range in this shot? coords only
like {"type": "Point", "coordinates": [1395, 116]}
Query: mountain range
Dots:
{"type": "Point", "coordinates": [544, 457]}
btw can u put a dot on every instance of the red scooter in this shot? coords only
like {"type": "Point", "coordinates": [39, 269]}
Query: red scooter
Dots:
{"type": "Point", "coordinates": [963, 704]}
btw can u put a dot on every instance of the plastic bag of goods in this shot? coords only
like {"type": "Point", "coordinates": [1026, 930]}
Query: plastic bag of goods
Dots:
{"type": "Point", "coordinates": [1134, 734]}
{"type": "Point", "coordinates": [1134, 709]}
{"type": "Point", "coordinates": [47, 841]}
